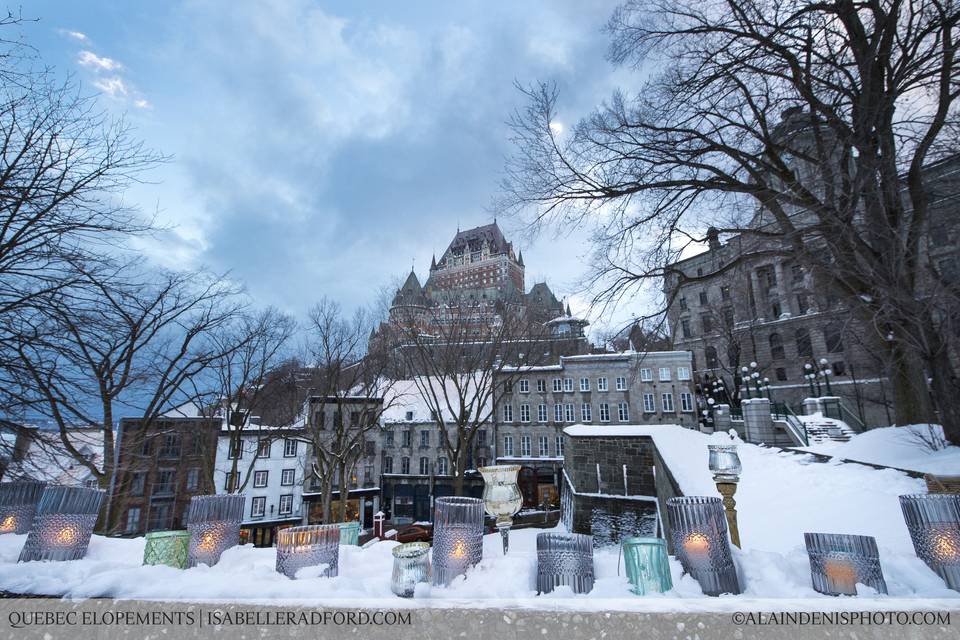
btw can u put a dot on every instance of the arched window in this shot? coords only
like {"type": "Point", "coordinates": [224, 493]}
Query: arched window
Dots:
{"type": "Point", "coordinates": [804, 346]}
{"type": "Point", "coordinates": [776, 346]}
{"type": "Point", "coordinates": [711, 355]}
{"type": "Point", "coordinates": [833, 337]}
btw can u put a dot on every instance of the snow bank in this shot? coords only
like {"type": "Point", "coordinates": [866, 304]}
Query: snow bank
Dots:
{"type": "Point", "coordinates": [896, 447]}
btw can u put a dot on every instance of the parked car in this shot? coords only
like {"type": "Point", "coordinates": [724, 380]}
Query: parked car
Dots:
{"type": "Point", "coordinates": [414, 533]}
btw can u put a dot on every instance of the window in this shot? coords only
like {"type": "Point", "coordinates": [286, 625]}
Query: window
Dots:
{"type": "Point", "coordinates": [706, 321]}
{"type": "Point", "coordinates": [263, 449]}
{"type": "Point", "coordinates": [369, 448]}
{"type": "Point", "coordinates": [683, 373]}
{"type": "Point", "coordinates": [409, 416]}
{"type": "Point", "coordinates": [482, 438]}
{"type": "Point", "coordinates": [287, 477]}
{"type": "Point", "coordinates": [686, 401]}
{"type": "Point", "coordinates": [664, 374]}
{"type": "Point", "coordinates": [232, 482]}
{"type": "Point", "coordinates": [559, 446]}
{"type": "Point", "coordinates": [544, 449]}
{"type": "Point", "coordinates": [803, 303]}
{"type": "Point", "coordinates": [558, 413]}
{"type": "Point", "coordinates": [405, 436]}
{"type": "Point", "coordinates": [775, 310]}
{"type": "Point", "coordinates": [145, 450]}
{"type": "Point", "coordinates": [508, 445]}
{"type": "Point", "coordinates": [623, 412]}
{"type": "Point", "coordinates": [236, 450]}
{"type": "Point", "coordinates": [703, 299]}
{"type": "Point", "coordinates": [568, 384]}
{"type": "Point", "coordinates": [171, 446]}
{"type": "Point", "coordinates": [259, 479]}
{"type": "Point", "coordinates": [525, 446]}
{"type": "Point", "coordinates": [405, 465]}
{"type": "Point", "coordinates": [649, 404]}
{"type": "Point", "coordinates": [442, 466]}
{"type": "Point", "coordinates": [838, 368]}
{"type": "Point", "coordinates": [780, 373]}
{"type": "Point", "coordinates": [424, 439]}
{"type": "Point", "coordinates": [286, 504]}
{"type": "Point", "coordinates": [646, 375]}
{"type": "Point", "coordinates": [584, 384]}
{"type": "Point", "coordinates": [604, 412]}
{"type": "Point", "coordinates": [524, 413]}
{"type": "Point", "coordinates": [804, 346]}
{"type": "Point", "coordinates": [767, 278]}
{"type": "Point", "coordinates": [541, 385]}
{"type": "Point", "coordinates": [685, 327]}
{"type": "Point", "coordinates": [508, 387]}
{"type": "Point", "coordinates": [388, 439]}
{"type": "Point", "coordinates": [601, 384]}
{"type": "Point", "coordinates": [524, 386]}
{"type": "Point", "coordinates": [666, 402]}
{"type": "Point", "coordinates": [557, 385]}
{"type": "Point", "coordinates": [776, 346]}
{"type": "Point", "coordinates": [711, 355]}
{"type": "Point", "coordinates": [727, 317]}
{"type": "Point", "coordinates": [585, 412]}
{"type": "Point", "coordinates": [193, 479]}
{"type": "Point", "coordinates": [133, 519]}
{"type": "Point", "coordinates": [541, 413]}
{"type": "Point", "coordinates": [258, 506]}
{"type": "Point", "coordinates": [165, 482]}
{"type": "Point", "coordinates": [725, 292]}
{"type": "Point", "coordinates": [424, 466]}
{"type": "Point", "coordinates": [683, 304]}
{"type": "Point", "coordinates": [388, 464]}
{"type": "Point", "coordinates": [289, 448]}
{"type": "Point", "coordinates": [569, 414]}
{"type": "Point", "coordinates": [833, 337]}
{"type": "Point", "coordinates": [796, 272]}
{"type": "Point", "coordinates": [137, 481]}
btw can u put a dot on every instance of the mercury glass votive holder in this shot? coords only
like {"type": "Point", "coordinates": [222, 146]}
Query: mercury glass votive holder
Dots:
{"type": "Point", "coordinates": [698, 529]}
{"type": "Point", "coordinates": [838, 562]}
{"type": "Point", "coordinates": [647, 564]}
{"type": "Point", "coordinates": [411, 565]}
{"type": "Point", "coordinates": [564, 559]}
{"type": "Point", "coordinates": [63, 524]}
{"type": "Point", "coordinates": [934, 524]}
{"type": "Point", "coordinates": [309, 546]}
{"type": "Point", "coordinates": [724, 462]}
{"type": "Point", "coordinates": [214, 526]}
{"type": "Point", "coordinates": [457, 537]}
{"type": "Point", "coordinates": [349, 533]}
{"type": "Point", "coordinates": [501, 497]}
{"type": "Point", "coordinates": [171, 548]}
{"type": "Point", "coordinates": [18, 504]}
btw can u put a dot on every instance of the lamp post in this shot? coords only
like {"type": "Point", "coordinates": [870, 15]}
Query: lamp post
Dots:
{"type": "Point", "coordinates": [725, 466]}
{"type": "Point", "coordinates": [827, 372]}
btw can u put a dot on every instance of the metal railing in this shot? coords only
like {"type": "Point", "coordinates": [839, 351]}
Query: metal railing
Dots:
{"type": "Point", "coordinates": [783, 412]}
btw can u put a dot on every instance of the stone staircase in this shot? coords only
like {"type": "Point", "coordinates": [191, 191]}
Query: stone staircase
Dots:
{"type": "Point", "coordinates": [820, 430]}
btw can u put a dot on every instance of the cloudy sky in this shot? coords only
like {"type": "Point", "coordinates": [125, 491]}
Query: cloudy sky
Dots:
{"type": "Point", "coordinates": [321, 148]}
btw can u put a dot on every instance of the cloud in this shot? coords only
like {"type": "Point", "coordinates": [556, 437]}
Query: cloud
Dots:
{"type": "Point", "coordinates": [90, 59]}
{"type": "Point", "coordinates": [76, 35]}
{"type": "Point", "coordinates": [113, 86]}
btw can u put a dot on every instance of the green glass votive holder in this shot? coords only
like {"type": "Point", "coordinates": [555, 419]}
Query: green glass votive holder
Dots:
{"type": "Point", "coordinates": [171, 548]}
{"type": "Point", "coordinates": [349, 533]}
{"type": "Point", "coordinates": [648, 567]}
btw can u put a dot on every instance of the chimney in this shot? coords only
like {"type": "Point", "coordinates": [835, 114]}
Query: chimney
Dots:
{"type": "Point", "coordinates": [713, 238]}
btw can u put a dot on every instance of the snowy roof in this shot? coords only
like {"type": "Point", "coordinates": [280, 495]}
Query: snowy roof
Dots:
{"type": "Point", "coordinates": [47, 459]}
{"type": "Point", "coordinates": [405, 396]}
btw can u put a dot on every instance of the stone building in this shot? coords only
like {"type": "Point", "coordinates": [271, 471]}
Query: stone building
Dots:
{"type": "Point", "coordinates": [599, 389]}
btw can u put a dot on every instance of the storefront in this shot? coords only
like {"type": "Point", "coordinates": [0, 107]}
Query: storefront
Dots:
{"type": "Point", "coordinates": [264, 534]}
{"type": "Point", "coordinates": [360, 506]}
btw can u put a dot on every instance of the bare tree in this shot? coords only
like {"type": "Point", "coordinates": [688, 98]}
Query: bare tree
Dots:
{"type": "Point", "coordinates": [461, 358]}
{"type": "Point", "coordinates": [807, 129]}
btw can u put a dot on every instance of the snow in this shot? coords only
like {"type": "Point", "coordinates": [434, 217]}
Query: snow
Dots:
{"type": "Point", "coordinates": [896, 447]}
{"type": "Point", "coordinates": [781, 495]}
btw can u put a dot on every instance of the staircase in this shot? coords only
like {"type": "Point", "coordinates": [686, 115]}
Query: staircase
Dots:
{"type": "Point", "coordinates": [820, 430]}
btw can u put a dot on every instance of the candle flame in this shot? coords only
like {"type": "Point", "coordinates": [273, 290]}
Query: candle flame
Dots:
{"type": "Point", "coordinates": [842, 575]}
{"type": "Point", "coordinates": [945, 547]}
{"type": "Point", "coordinates": [66, 536]}
{"type": "Point", "coordinates": [9, 524]}
{"type": "Point", "coordinates": [697, 543]}
{"type": "Point", "coordinates": [207, 542]}
{"type": "Point", "coordinates": [459, 549]}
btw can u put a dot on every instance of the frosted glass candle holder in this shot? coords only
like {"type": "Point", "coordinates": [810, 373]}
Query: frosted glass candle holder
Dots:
{"type": "Point", "coordinates": [349, 533]}
{"type": "Point", "coordinates": [411, 565]}
{"type": "Point", "coordinates": [18, 505]}
{"type": "Point", "coordinates": [724, 462]}
{"type": "Point", "coordinates": [309, 546]}
{"type": "Point", "coordinates": [457, 537]}
{"type": "Point", "coordinates": [171, 548]}
{"type": "Point", "coordinates": [63, 524]}
{"type": "Point", "coordinates": [647, 564]}
{"type": "Point", "coordinates": [564, 559]}
{"type": "Point", "coordinates": [934, 524]}
{"type": "Point", "coordinates": [698, 529]}
{"type": "Point", "coordinates": [214, 526]}
{"type": "Point", "coordinates": [838, 562]}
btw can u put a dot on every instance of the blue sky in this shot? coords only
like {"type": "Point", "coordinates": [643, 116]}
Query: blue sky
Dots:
{"type": "Point", "coordinates": [321, 148]}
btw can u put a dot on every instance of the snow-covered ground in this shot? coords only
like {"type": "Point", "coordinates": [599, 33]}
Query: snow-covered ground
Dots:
{"type": "Point", "coordinates": [781, 496]}
{"type": "Point", "coordinates": [899, 447]}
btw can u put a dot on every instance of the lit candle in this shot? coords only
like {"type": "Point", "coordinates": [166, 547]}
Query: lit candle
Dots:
{"type": "Point", "coordinates": [207, 542]}
{"type": "Point", "coordinates": [459, 549]}
{"type": "Point", "coordinates": [946, 546]}
{"type": "Point", "coordinates": [9, 524]}
{"type": "Point", "coordinates": [66, 536]}
{"type": "Point", "coordinates": [697, 548]}
{"type": "Point", "coordinates": [841, 576]}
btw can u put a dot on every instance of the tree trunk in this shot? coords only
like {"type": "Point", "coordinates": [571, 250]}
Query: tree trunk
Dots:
{"type": "Point", "coordinates": [344, 492]}
{"type": "Point", "coordinates": [458, 478]}
{"type": "Point", "coordinates": [946, 392]}
{"type": "Point", "coordinates": [911, 398]}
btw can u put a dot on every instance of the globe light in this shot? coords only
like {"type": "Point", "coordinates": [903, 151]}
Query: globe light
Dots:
{"type": "Point", "coordinates": [808, 366]}
{"type": "Point", "coordinates": [753, 365]}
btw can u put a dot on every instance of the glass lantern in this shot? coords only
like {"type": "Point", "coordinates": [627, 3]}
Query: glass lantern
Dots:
{"type": "Point", "coordinates": [63, 524]}
{"type": "Point", "coordinates": [214, 526]}
{"type": "Point", "coordinates": [564, 559]}
{"type": "Point", "coordinates": [309, 546]}
{"type": "Point", "coordinates": [18, 505]}
{"type": "Point", "coordinates": [457, 537]}
{"type": "Point", "coordinates": [411, 565]}
{"type": "Point", "coordinates": [647, 564]}
{"type": "Point", "coordinates": [698, 529]}
{"type": "Point", "coordinates": [724, 462]}
{"type": "Point", "coordinates": [171, 548]}
{"type": "Point", "coordinates": [838, 562]}
{"type": "Point", "coordinates": [349, 533]}
{"type": "Point", "coordinates": [501, 497]}
{"type": "Point", "coordinates": [934, 524]}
